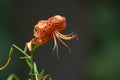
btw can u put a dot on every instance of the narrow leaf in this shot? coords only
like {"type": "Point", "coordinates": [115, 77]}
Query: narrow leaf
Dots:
{"type": "Point", "coordinates": [41, 75]}
{"type": "Point", "coordinates": [13, 77]}
{"type": "Point", "coordinates": [25, 48]}
{"type": "Point", "coordinates": [35, 69]}
{"type": "Point", "coordinates": [19, 49]}
{"type": "Point", "coordinates": [26, 57]}
{"type": "Point", "coordinates": [29, 64]}
{"type": "Point", "coordinates": [11, 52]}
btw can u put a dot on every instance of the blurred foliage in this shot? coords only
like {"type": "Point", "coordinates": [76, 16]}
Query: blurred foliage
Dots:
{"type": "Point", "coordinates": [6, 35]}
{"type": "Point", "coordinates": [104, 60]}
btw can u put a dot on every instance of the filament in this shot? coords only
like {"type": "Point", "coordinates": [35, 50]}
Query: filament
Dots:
{"type": "Point", "coordinates": [66, 37]}
{"type": "Point", "coordinates": [62, 34]}
{"type": "Point", "coordinates": [64, 43]}
{"type": "Point", "coordinates": [55, 44]}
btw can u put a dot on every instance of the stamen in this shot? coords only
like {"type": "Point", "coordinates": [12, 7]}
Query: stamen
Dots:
{"type": "Point", "coordinates": [63, 43]}
{"type": "Point", "coordinates": [55, 45]}
{"type": "Point", "coordinates": [66, 37]}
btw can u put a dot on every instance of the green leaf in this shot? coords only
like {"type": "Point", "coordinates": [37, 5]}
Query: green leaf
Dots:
{"type": "Point", "coordinates": [11, 52]}
{"type": "Point", "coordinates": [13, 77]}
{"type": "Point", "coordinates": [19, 49]}
{"type": "Point", "coordinates": [26, 57]}
{"type": "Point", "coordinates": [25, 48]}
{"type": "Point", "coordinates": [35, 68]}
{"type": "Point", "coordinates": [50, 78]}
{"type": "Point", "coordinates": [29, 64]}
{"type": "Point", "coordinates": [40, 76]}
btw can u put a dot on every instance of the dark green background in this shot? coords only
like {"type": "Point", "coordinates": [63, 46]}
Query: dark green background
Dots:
{"type": "Point", "coordinates": [95, 56]}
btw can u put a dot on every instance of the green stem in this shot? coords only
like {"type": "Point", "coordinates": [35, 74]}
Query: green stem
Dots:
{"type": "Point", "coordinates": [32, 54]}
{"type": "Point", "coordinates": [32, 61]}
{"type": "Point", "coordinates": [32, 68]}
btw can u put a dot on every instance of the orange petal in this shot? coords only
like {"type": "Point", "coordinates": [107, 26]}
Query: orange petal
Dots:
{"type": "Point", "coordinates": [29, 45]}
